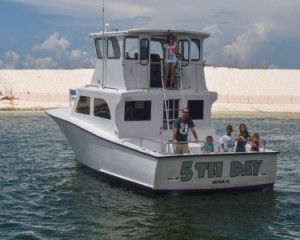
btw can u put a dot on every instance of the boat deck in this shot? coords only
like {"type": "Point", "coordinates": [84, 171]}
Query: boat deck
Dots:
{"type": "Point", "coordinates": [166, 149]}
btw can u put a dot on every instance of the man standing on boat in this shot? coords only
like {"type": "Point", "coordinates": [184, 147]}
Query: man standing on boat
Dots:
{"type": "Point", "coordinates": [181, 129]}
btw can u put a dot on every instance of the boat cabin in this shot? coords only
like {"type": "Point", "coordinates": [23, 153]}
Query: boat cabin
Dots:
{"type": "Point", "coordinates": [126, 97]}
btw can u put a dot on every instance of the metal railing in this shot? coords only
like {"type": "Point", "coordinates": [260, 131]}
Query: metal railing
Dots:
{"type": "Point", "coordinates": [168, 143]}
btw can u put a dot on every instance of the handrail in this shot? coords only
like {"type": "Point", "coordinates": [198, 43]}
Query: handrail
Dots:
{"type": "Point", "coordinates": [91, 86]}
{"type": "Point", "coordinates": [181, 85]}
{"type": "Point", "coordinates": [169, 142]}
{"type": "Point", "coordinates": [165, 100]}
{"type": "Point", "coordinates": [187, 142]}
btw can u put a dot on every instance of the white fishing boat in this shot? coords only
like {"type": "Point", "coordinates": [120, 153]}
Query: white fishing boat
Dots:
{"type": "Point", "coordinates": [121, 125]}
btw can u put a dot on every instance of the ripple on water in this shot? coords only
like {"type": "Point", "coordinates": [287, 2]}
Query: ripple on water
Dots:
{"type": "Point", "coordinates": [44, 193]}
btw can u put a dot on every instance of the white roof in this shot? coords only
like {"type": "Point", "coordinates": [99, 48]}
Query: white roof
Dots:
{"type": "Point", "coordinates": [153, 32]}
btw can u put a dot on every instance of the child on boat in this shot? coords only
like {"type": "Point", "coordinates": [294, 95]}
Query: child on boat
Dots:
{"type": "Point", "coordinates": [178, 69]}
{"type": "Point", "coordinates": [255, 144]}
{"type": "Point", "coordinates": [208, 146]}
{"type": "Point", "coordinates": [169, 59]}
{"type": "Point", "coordinates": [227, 141]}
{"type": "Point", "coordinates": [242, 138]}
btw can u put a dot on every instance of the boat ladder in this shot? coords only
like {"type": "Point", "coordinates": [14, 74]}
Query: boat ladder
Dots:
{"type": "Point", "coordinates": [164, 91]}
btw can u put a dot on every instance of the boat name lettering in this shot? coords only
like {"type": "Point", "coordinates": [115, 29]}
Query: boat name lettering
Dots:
{"type": "Point", "coordinates": [215, 169]}
{"type": "Point", "coordinates": [250, 168]}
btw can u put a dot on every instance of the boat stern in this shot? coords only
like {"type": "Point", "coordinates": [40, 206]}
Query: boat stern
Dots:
{"type": "Point", "coordinates": [216, 172]}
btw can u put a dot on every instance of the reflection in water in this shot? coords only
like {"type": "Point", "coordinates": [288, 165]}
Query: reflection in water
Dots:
{"type": "Point", "coordinates": [113, 211]}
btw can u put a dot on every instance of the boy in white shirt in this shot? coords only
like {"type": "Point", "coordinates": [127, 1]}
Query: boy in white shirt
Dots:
{"type": "Point", "coordinates": [227, 143]}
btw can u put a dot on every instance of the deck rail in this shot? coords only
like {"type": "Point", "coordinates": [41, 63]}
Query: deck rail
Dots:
{"type": "Point", "coordinates": [168, 143]}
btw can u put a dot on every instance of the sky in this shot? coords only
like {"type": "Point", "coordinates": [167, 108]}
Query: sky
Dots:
{"type": "Point", "coordinates": [54, 34]}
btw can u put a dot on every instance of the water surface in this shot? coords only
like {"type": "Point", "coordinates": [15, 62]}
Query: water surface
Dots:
{"type": "Point", "coordinates": [44, 194]}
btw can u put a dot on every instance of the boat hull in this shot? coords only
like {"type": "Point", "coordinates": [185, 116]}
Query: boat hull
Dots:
{"type": "Point", "coordinates": [170, 173]}
{"type": "Point", "coordinates": [216, 172]}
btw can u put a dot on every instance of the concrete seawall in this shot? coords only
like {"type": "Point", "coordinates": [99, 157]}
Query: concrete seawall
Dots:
{"type": "Point", "coordinates": [269, 90]}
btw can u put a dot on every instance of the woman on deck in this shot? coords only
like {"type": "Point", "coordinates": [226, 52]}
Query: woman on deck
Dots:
{"type": "Point", "coordinates": [242, 138]}
{"type": "Point", "coordinates": [169, 59]}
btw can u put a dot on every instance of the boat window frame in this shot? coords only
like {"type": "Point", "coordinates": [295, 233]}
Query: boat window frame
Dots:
{"type": "Point", "coordinates": [78, 108]}
{"type": "Point", "coordinates": [115, 48]}
{"type": "Point", "coordinates": [199, 49]}
{"type": "Point", "coordinates": [125, 55]}
{"type": "Point", "coordinates": [98, 48]}
{"type": "Point", "coordinates": [108, 116]}
{"type": "Point", "coordinates": [144, 61]}
{"type": "Point", "coordinates": [132, 115]}
{"type": "Point", "coordinates": [196, 111]}
{"type": "Point", "coordinates": [185, 61]}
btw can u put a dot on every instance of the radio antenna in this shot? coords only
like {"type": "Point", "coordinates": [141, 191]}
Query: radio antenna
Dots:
{"type": "Point", "coordinates": [103, 50]}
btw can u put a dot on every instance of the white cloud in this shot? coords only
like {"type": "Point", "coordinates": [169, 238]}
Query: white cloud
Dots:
{"type": "Point", "coordinates": [239, 31]}
{"type": "Point", "coordinates": [53, 44]}
{"type": "Point", "coordinates": [52, 53]}
{"type": "Point", "coordinates": [63, 58]}
{"type": "Point", "coordinates": [81, 57]}
{"type": "Point", "coordinates": [216, 34]}
{"type": "Point", "coordinates": [12, 60]}
{"type": "Point", "coordinates": [39, 63]}
{"type": "Point", "coordinates": [249, 45]}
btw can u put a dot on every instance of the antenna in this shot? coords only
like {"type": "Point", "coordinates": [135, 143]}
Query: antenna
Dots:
{"type": "Point", "coordinates": [103, 53]}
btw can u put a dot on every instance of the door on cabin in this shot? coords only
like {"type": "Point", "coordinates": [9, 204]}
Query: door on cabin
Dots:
{"type": "Point", "coordinates": [183, 42]}
{"type": "Point", "coordinates": [144, 66]}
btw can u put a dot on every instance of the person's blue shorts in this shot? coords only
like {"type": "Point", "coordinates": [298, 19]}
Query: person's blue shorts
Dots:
{"type": "Point", "coordinates": [170, 64]}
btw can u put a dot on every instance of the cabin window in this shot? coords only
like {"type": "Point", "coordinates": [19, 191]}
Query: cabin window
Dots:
{"type": "Point", "coordinates": [184, 49]}
{"type": "Point", "coordinates": [196, 108]}
{"type": "Point", "coordinates": [137, 111]}
{"type": "Point", "coordinates": [144, 51]}
{"type": "Point", "coordinates": [83, 105]}
{"type": "Point", "coordinates": [173, 113]}
{"type": "Point", "coordinates": [195, 50]}
{"type": "Point", "coordinates": [101, 108]}
{"type": "Point", "coordinates": [131, 48]}
{"type": "Point", "coordinates": [156, 49]}
{"type": "Point", "coordinates": [99, 47]}
{"type": "Point", "coordinates": [113, 48]}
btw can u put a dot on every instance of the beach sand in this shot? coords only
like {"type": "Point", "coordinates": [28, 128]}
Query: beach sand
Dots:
{"type": "Point", "coordinates": [262, 91]}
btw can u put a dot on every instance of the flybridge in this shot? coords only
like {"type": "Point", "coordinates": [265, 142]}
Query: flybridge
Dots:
{"type": "Point", "coordinates": [134, 58]}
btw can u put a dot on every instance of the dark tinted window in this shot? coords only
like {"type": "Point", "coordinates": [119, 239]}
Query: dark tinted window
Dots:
{"type": "Point", "coordinates": [196, 109]}
{"type": "Point", "coordinates": [83, 105]}
{"type": "Point", "coordinates": [138, 111]}
{"type": "Point", "coordinates": [101, 108]}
